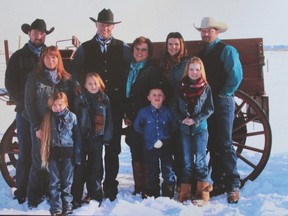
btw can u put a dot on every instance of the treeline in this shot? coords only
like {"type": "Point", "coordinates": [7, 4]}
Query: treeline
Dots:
{"type": "Point", "coordinates": [276, 48]}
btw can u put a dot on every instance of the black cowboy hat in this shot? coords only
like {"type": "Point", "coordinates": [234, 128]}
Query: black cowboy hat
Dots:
{"type": "Point", "coordinates": [105, 16]}
{"type": "Point", "coordinates": [38, 24]}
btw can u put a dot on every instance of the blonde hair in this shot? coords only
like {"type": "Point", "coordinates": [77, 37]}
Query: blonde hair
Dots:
{"type": "Point", "coordinates": [46, 127]}
{"type": "Point", "coordinates": [97, 78]}
{"type": "Point", "coordinates": [195, 60]}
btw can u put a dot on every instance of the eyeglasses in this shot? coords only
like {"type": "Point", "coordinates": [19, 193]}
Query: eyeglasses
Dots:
{"type": "Point", "coordinates": [140, 49]}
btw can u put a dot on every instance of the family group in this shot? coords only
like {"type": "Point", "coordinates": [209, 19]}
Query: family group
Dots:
{"type": "Point", "coordinates": [173, 110]}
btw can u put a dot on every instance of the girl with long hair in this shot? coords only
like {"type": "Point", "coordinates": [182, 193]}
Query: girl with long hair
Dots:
{"type": "Point", "coordinates": [60, 150]}
{"type": "Point", "coordinates": [193, 105]}
{"type": "Point", "coordinates": [93, 111]}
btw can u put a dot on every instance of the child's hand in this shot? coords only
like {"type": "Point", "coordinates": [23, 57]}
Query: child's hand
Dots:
{"type": "Point", "coordinates": [188, 121]}
{"type": "Point", "coordinates": [39, 134]}
{"type": "Point", "coordinates": [127, 122]}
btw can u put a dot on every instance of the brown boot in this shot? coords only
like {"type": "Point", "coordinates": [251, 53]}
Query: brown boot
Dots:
{"type": "Point", "coordinates": [202, 195]}
{"type": "Point", "coordinates": [137, 174]}
{"type": "Point", "coordinates": [233, 196]}
{"type": "Point", "coordinates": [185, 192]}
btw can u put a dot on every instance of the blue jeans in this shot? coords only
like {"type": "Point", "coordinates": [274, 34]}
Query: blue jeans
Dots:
{"type": "Point", "coordinates": [194, 157]}
{"type": "Point", "coordinates": [24, 156]}
{"type": "Point", "coordinates": [38, 177]}
{"type": "Point", "coordinates": [152, 158]}
{"type": "Point", "coordinates": [94, 168]}
{"type": "Point", "coordinates": [61, 178]}
{"type": "Point", "coordinates": [222, 153]}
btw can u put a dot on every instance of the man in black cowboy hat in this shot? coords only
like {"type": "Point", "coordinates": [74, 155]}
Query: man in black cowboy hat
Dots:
{"type": "Point", "coordinates": [109, 57]}
{"type": "Point", "coordinates": [20, 64]}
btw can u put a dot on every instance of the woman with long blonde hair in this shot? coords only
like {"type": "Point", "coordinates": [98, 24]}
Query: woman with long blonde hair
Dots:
{"type": "Point", "coordinates": [60, 150]}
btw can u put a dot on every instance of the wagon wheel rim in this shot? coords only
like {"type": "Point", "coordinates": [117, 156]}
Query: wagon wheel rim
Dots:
{"type": "Point", "coordinates": [252, 137]}
{"type": "Point", "coordinates": [8, 154]}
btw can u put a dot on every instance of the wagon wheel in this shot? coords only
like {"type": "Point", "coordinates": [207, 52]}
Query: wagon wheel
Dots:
{"type": "Point", "coordinates": [252, 137]}
{"type": "Point", "coordinates": [8, 154]}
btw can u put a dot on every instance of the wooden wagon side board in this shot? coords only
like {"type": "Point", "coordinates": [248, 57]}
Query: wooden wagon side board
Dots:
{"type": "Point", "coordinates": [251, 56]}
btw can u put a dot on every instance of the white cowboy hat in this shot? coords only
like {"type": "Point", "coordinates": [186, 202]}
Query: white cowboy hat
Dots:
{"type": "Point", "coordinates": [209, 22]}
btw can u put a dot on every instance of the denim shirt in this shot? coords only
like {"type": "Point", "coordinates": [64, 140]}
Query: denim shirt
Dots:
{"type": "Point", "coordinates": [154, 124]}
{"type": "Point", "coordinates": [203, 109]}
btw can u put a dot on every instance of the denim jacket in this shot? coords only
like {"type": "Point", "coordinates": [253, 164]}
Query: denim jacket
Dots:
{"type": "Point", "coordinates": [37, 92]}
{"type": "Point", "coordinates": [68, 136]}
{"type": "Point", "coordinates": [86, 106]}
{"type": "Point", "coordinates": [203, 109]}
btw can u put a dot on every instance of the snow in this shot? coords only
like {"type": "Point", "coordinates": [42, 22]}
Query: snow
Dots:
{"type": "Point", "coordinates": [266, 195]}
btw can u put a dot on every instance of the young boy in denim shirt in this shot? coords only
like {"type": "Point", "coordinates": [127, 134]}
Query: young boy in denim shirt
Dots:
{"type": "Point", "coordinates": [156, 123]}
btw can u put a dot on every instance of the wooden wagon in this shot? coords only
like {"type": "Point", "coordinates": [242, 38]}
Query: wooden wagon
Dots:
{"type": "Point", "coordinates": [252, 135]}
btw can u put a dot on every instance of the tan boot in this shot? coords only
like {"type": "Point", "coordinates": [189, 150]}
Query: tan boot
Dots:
{"type": "Point", "coordinates": [137, 174]}
{"type": "Point", "coordinates": [185, 192]}
{"type": "Point", "coordinates": [202, 195]}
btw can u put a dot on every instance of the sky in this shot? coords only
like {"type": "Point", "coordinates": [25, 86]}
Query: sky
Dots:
{"type": "Point", "coordinates": [150, 18]}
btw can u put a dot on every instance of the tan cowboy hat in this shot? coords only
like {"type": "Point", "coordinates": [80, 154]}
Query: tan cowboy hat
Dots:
{"type": "Point", "coordinates": [105, 16]}
{"type": "Point", "coordinates": [38, 24]}
{"type": "Point", "coordinates": [209, 22]}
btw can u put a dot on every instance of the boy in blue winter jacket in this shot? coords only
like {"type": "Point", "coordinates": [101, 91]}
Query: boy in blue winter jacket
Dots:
{"type": "Point", "coordinates": [156, 123]}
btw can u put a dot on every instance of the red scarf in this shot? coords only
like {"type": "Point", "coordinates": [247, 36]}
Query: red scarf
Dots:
{"type": "Point", "coordinates": [190, 91]}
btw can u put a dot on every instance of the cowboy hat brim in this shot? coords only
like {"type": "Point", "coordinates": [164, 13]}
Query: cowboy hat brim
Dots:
{"type": "Point", "coordinates": [106, 22]}
{"type": "Point", "coordinates": [26, 28]}
{"type": "Point", "coordinates": [220, 28]}
{"type": "Point", "coordinates": [209, 22]}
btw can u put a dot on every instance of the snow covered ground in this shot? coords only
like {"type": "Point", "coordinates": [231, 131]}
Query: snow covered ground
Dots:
{"type": "Point", "coordinates": [267, 195]}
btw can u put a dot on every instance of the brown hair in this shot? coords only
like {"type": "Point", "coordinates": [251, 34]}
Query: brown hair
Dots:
{"type": "Point", "coordinates": [46, 127]}
{"type": "Point", "coordinates": [183, 51]}
{"type": "Point", "coordinates": [194, 60]}
{"type": "Point", "coordinates": [54, 51]}
{"type": "Point", "coordinates": [141, 40]}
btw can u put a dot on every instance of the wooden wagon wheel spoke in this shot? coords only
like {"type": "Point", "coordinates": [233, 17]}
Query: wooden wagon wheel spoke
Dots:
{"type": "Point", "coordinates": [246, 161]}
{"type": "Point", "coordinates": [8, 154]}
{"type": "Point", "coordinates": [248, 147]}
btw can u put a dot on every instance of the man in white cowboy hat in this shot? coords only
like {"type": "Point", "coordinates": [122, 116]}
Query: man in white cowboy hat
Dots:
{"type": "Point", "coordinates": [224, 75]}
{"type": "Point", "coordinates": [20, 64]}
{"type": "Point", "coordinates": [110, 58]}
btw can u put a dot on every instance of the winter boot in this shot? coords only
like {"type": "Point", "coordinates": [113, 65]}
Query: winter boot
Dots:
{"type": "Point", "coordinates": [233, 196]}
{"type": "Point", "coordinates": [144, 181]}
{"type": "Point", "coordinates": [152, 192]}
{"type": "Point", "coordinates": [185, 192]}
{"type": "Point", "coordinates": [168, 190]}
{"type": "Point", "coordinates": [202, 193]}
{"type": "Point", "coordinates": [137, 174]}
